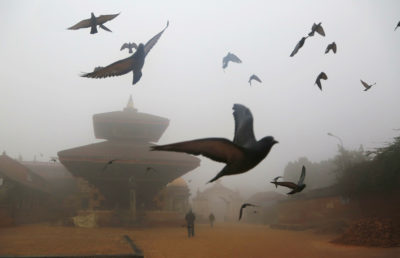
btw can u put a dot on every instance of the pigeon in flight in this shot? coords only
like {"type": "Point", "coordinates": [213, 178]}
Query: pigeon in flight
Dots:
{"type": "Point", "coordinates": [366, 85]}
{"type": "Point", "coordinates": [241, 155]}
{"type": "Point", "coordinates": [332, 47]}
{"type": "Point", "coordinates": [322, 76]}
{"type": "Point", "coordinates": [254, 77]}
{"type": "Point", "coordinates": [109, 163]}
{"type": "Point", "coordinates": [133, 63]}
{"type": "Point", "coordinates": [130, 46]}
{"type": "Point", "coordinates": [93, 22]}
{"type": "Point", "coordinates": [296, 188]}
{"type": "Point", "coordinates": [276, 180]}
{"type": "Point", "coordinates": [298, 46]}
{"type": "Point", "coordinates": [230, 57]}
{"type": "Point", "coordinates": [317, 28]}
{"type": "Point", "coordinates": [398, 25]}
{"type": "Point", "coordinates": [244, 206]}
{"type": "Point", "coordinates": [53, 159]}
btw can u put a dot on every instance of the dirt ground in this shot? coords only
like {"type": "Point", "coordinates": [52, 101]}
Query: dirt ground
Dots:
{"type": "Point", "coordinates": [224, 240]}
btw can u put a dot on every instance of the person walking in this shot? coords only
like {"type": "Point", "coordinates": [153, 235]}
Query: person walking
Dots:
{"type": "Point", "coordinates": [190, 218]}
{"type": "Point", "coordinates": [211, 218]}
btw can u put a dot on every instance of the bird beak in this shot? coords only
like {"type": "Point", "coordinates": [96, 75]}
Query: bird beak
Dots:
{"type": "Point", "coordinates": [275, 142]}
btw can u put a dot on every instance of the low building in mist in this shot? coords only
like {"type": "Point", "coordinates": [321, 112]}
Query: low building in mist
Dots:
{"type": "Point", "coordinates": [24, 196]}
{"type": "Point", "coordinates": [223, 202]}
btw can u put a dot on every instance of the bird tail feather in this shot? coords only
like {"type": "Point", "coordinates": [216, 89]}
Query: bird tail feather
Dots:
{"type": "Point", "coordinates": [93, 29]}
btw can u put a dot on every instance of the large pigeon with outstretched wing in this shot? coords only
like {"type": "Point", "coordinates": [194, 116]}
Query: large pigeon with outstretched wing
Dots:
{"type": "Point", "coordinates": [133, 63]}
{"type": "Point", "coordinates": [240, 155]}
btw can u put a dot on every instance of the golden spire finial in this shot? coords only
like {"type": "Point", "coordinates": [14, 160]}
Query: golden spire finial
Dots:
{"type": "Point", "coordinates": [130, 106]}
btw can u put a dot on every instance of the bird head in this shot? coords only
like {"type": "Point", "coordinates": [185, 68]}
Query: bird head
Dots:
{"type": "Point", "coordinates": [269, 140]}
{"type": "Point", "coordinates": [141, 46]}
{"type": "Point", "coordinates": [92, 15]}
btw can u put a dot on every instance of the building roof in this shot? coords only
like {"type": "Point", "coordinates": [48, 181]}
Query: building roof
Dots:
{"type": "Point", "coordinates": [15, 171]}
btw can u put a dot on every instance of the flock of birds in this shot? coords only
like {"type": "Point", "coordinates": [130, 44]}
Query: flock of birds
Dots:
{"type": "Point", "coordinates": [244, 152]}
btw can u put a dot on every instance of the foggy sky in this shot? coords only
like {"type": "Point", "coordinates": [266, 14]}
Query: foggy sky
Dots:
{"type": "Point", "coordinates": [46, 107]}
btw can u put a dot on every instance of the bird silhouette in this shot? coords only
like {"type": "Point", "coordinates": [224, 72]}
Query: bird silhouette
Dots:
{"type": "Point", "coordinates": [398, 25]}
{"type": "Point", "coordinates": [366, 85]}
{"type": "Point", "coordinates": [130, 46]}
{"type": "Point", "coordinates": [230, 58]}
{"type": "Point", "coordinates": [254, 77]}
{"type": "Point", "coordinates": [53, 159]}
{"type": "Point", "coordinates": [299, 45]}
{"type": "Point", "coordinates": [133, 63]}
{"type": "Point", "coordinates": [296, 188]}
{"type": "Point", "coordinates": [244, 206]}
{"type": "Point", "coordinates": [322, 76]}
{"type": "Point", "coordinates": [109, 163]}
{"type": "Point", "coordinates": [93, 22]}
{"type": "Point", "coordinates": [317, 28]}
{"type": "Point", "coordinates": [332, 47]}
{"type": "Point", "coordinates": [276, 180]}
{"type": "Point", "coordinates": [241, 155]}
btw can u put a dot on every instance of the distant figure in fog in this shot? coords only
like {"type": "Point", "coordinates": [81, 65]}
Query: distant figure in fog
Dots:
{"type": "Point", "coordinates": [190, 217]}
{"type": "Point", "coordinates": [211, 218]}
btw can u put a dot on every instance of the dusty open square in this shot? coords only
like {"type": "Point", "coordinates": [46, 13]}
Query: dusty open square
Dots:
{"type": "Point", "coordinates": [224, 240]}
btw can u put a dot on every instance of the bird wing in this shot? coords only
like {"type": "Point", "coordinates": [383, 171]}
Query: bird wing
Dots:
{"type": "Point", "coordinates": [276, 178]}
{"type": "Point", "coordinates": [233, 58]}
{"type": "Point", "coordinates": [329, 47]}
{"type": "Point", "coordinates": [150, 44]}
{"type": "Point", "coordinates": [133, 44]}
{"type": "Point", "coordinates": [296, 48]}
{"type": "Point", "coordinates": [217, 149]}
{"type": "Point", "coordinates": [82, 24]}
{"type": "Point", "coordinates": [105, 18]}
{"type": "Point", "coordinates": [244, 206]}
{"type": "Point", "coordinates": [334, 47]}
{"type": "Point", "coordinates": [302, 176]}
{"type": "Point", "coordinates": [125, 45]}
{"type": "Point", "coordinates": [365, 84]}
{"type": "Point", "coordinates": [115, 69]}
{"type": "Point", "coordinates": [105, 28]}
{"type": "Point", "coordinates": [290, 185]}
{"type": "Point", "coordinates": [244, 133]}
{"type": "Point", "coordinates": [323, 76]}
{"type": "Point", "coordinates": [318, 82]}
{"type": "Point", "coordinates": [320, 30]}
{"type": "Point", "coordinates": [255, 77]}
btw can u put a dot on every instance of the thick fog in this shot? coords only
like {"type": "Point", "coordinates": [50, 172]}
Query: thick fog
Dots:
{"type": "Point", "coordinates": [45, 106]}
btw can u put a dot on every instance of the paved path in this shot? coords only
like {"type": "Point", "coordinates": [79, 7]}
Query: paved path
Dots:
{"type": "Point", "coordinates": [226, 240]}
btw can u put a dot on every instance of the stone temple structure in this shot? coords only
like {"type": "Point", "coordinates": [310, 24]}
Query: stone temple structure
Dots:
{"type": "Point", "coordinates": [137, 175]}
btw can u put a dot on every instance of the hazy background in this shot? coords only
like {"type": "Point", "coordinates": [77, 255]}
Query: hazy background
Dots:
{"type": "Point", "coordinates": [46, 107]}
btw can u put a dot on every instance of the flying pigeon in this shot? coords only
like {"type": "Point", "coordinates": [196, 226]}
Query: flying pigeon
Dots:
{"type": "Point", "coordinates": [296, 188]}
{"type": "Point", "coordinates": [53, 159]}
{"type": "Point", "coordinates": [254, 77]}
{"type": "Point", "coordinates": [276, 180]}
{"type": "Point", "coordinates": [322, 76]}
{"type": "Point", "coordinates": [244, 206]}
{"type": "Point", "coordinates": [317, 28]}
{"type": "Point", "coordinates": [366, 85]}
{"type": "Point", "coordinates": [241, 155]}
{"type": "Point", "coordinates": [93, 22]}
{"type": "Point", "coordinates": [298, 46]}
{"type": "Point", "coordinates": [398, 25]}
{"type": "Point", "coordinates": [133, 63]}
{"type": "Point", "coordinates": [230, 57]}
{"type": "Point", "coordinates": [129, 46]}
{"type": "Point", "coordinates": [109, 163]}
{"type": "Point", "coordinates": [332, 47]}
